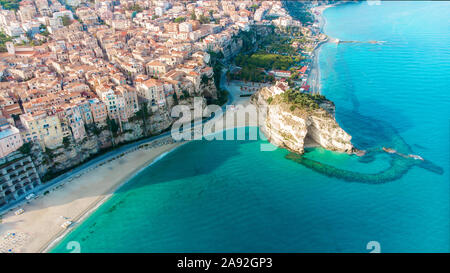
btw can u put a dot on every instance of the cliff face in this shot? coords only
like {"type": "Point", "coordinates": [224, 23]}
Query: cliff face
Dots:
{"type": "Point", "coordinates": [207, 89]}
{"type": "Point", "coordinates": [53, 161]}
{"type": "Point", "coordinates": [289, 126]}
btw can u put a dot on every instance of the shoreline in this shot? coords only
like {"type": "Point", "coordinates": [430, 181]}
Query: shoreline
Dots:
{"type": "Point", "coordinates": [79, 219]}
{"type": "Point", "coordinates": [39, 229]}
{"type": "Point", "coordinates": [79, 195]}
{"type": "Point", "coordinates": [314, 75]}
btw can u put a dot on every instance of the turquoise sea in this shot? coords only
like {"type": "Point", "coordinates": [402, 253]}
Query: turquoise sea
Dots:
{"type": "Point", "coordinates": [228, 196]}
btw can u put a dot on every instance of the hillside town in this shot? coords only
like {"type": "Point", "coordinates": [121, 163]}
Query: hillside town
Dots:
{"type": "Point", "coordinates": [79, 77]}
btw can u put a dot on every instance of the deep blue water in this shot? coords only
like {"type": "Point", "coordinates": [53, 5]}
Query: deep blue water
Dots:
{"type": "Point", "coordinates": [228, 196]}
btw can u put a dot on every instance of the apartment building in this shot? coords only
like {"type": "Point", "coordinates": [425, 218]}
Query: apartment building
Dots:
{"type": "Point", "coordinates": [98, 110]}
{"type": "Point", "coordinates": [130, 98]}
{"type": "Point", "coordinates": [10, 138]}
{"type": "Point", "coordinates": [151, 91]}
{"type": "Point", "coordinates": [156, 68]}
{"type": "Point", "coordinates": [73, 118]}
{"type": "Point", "coordinates": [42, 127]}
{"type": "Point", "coordinates": [18, 176]}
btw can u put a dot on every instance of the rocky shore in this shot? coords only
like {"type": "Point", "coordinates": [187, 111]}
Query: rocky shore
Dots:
{"type": "Point", "coordinates": [291, 125]}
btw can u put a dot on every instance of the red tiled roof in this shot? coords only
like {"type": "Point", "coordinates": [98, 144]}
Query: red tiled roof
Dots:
{"type": "Point", "coordinates": [303, 69]}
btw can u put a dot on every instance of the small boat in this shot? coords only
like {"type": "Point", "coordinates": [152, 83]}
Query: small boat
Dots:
{"type": "Point", "coordinates": [389, 150]}
{"type": "Point", "coordinates": [416, 157]}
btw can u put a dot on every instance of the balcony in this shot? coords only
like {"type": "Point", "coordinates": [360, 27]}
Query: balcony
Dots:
{"type": "Point", "coordinates": [22, 177]}
{"type": "Point", "coordinates": [33, 176]}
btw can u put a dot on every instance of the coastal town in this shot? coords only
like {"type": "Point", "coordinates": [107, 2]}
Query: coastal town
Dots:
{"type": "Point", "coordinates": [81, 77]}
{"type": "Point", "coordinates": [200, 126]}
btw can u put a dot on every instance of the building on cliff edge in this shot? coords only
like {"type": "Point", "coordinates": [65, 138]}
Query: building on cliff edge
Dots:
{"type": "Point", "coordinates": [18, 177]}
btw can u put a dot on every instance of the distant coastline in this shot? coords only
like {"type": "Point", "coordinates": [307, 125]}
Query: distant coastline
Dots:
{"type": "Point", "coordinates": [314, 76]}
{"type": "Point", "coordinates": [400, 164]}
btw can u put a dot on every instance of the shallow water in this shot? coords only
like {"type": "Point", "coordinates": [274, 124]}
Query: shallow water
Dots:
{"type": "Point", "coordinates": [228, 196]}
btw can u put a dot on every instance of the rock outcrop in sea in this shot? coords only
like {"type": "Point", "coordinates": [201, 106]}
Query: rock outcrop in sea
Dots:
{"type": "Point", "coordinates": [294, 120]}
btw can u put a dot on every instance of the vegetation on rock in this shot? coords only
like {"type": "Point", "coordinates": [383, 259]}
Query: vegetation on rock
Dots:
{"type": "Point", "coordinates": [3, 40]}
{"type": "Point", "coordinates": [10, 4]}
{"type": "Point", "coordinates": [296, 99]}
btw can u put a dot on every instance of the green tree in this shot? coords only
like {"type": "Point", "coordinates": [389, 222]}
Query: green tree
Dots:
{"type": "Point", "coordinates": [175, 98]}
{"type": "Point", "coordinates": [143, 114]}
{"type": "Point", "coordinates": [66, 142]}
{"type": "Point", "coordinates": [180, 19]}
{"type": "Point", "coordinates": [26, 148]}
{"type": "Point", "coordinates": [203, 19]}
{"type": "Point", "coordinates": [253, 7]}
{"type": "Point", "coordinates": [136, 8]}
{"type": "Point", "coordinates": [43, 30]}
{"type": "Point", "coordinates": [3, 40]}
{"type": "Point", "coordinates": [185, 94]}
{"type": "Point", "coordinates": [113, 128]}
{"type": "Point", "coordinates": [204, 79]}
{"type": "Point", "coordinates": [66, 20]}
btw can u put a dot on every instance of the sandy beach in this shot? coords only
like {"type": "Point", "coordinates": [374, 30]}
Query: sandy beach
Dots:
{"type": "Point", "coordinates": [314, 75]}
{"type": "Point", "coordinates": [237, 115]}
{"type": "Point", "coordinates": [40, 224]}
{"type": "Point", "coordinates": [39, 227]}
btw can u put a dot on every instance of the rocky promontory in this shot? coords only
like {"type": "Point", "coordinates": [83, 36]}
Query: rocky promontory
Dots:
{"type": "Point", "coordinates": [295, 120]}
